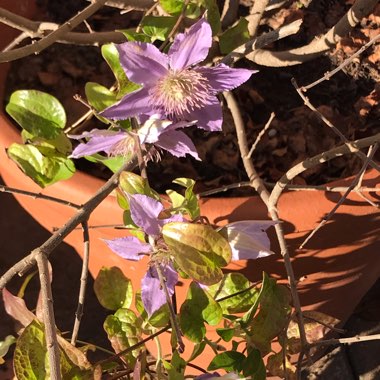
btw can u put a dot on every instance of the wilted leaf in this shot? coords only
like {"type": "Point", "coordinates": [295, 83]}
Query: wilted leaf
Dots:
{"type": "Point", "coordinates": [113, 289]}
{"type": "Point", "coordinates": [275, 367]}
{"type": "Point", "coordinates": [198, 250]}
{"type": "Point", "coordinates": [198, 308]}
{"type": "Point", "coordinates": [314, 330]}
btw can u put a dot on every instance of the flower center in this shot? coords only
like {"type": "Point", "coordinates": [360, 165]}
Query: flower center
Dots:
{"type": "Point", "coordinates": [180, 92]}
{"type": "Point", "coordinates": [124, 148]}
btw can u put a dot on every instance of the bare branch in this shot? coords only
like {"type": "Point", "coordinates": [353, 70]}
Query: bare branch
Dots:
{"type": "Point", "coordinates": [229, 12]}
{"type": "Point", "coordinates": [341, 150]}
{"type": "Point", "coordinates": [319, 45]}
{"type": "Point", "coordinates": [255, 15]}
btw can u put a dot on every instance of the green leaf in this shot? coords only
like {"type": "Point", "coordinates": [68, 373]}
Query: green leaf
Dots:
{"type": "Point", "coordinates": [39, 113]}
{"type": "Point", "coordinates": [132, 183]}
{"type": "Point", "coordinates": [254, 365]}
{"type": "Point", "coordinates": [131, 35]}
{"type": "Point", "coordinates": [198, 308]}
{"type": "Point", "coordinates": [61, 143]}
{"type": "Point", "coordinates": [198, 350]}
{"type": "Point", "coordinates": [4, 346]}
{"type": "Point", "coordinates": [98, 96]}
{"type": "Point", "coordinates": [228, 360]}
{"type": "Point", "coordinates": [272, 316]}
{"type": "Point", "coordinates": [234, 37]}
{"type": "Point", "coordinates": [172, 7]}
{"type": "Point", "coordinates": [233, 283]}
{"type": "Point", "coordinates": [198, 250]}
{"type": "Point", "coordinates": [212, 15]}
{"type": "Point", "coordinates": [190, 203]}
{"type": "Point", "coordinates": [226, 333]}
{"type": "Point", "coordinates": [176, 370]}
{"type": "Point", "coordinates": [112, 163]}
{"type": "Point", "coordinates": [111, 55]}
{"type": "Point", "coordinates": [124, 331]}
{"type": "Point", "coordinates": [158, 28]}
{"type": "Point", "coordinates": [44, 168]}
{"type": "Point", "coordinates": [113, 289]}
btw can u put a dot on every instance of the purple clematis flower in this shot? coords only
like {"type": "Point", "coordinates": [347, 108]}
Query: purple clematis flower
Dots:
{"type": "Point", "coordinates": [145, 213]}
{"type": "Point", "coordinates": [163, 134]}
{"type": "Point", "coordinates": [216, 376]}
{"type": "Point", "coordinates": [248, 239]}
{"type": "Point", "coordinates": [172, 86]}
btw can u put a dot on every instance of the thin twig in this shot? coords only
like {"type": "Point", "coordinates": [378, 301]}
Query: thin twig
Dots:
{"type": "Point", "coordinates": [172, 315]}
{"type": "Point", "coordinates": [331, 73]}
{"type": "Point", "coordinates": [229, 12]}
{"type": "Point", "coordinates": [48, 313]}
{"type": "Point", "coordinates": [329, 124]}
{"type": "Point", "coordinates": [327, 217]}
{"type": "Point", "coordinates": [53, 36]}
{"type": "Point", "coordinates": [255, 15]}
{"type": "Point", "coordinates": [12, 190]}
{"type": "Point", "coordinates": [261, 41]}
{"type": "Point", "coordinates": [319, 45]}
{"type": "Point", "coordinates": [259, 186]}
{"type": "Point", "coordinates": [28, 262]}
{"type": "Point", "coordinates": [83, 283]}
{"type": "Point", "coordinates": [332, 328]}
{"type": "Point", "coordinates": [261, 134]}
{"type": "Point", "coordinates": [351, 340]}
{"type": "Point", "coordinates": [351, 147]}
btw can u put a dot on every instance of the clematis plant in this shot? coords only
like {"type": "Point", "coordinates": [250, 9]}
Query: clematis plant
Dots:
{"type": "Point", "coordinates": [176, 88]}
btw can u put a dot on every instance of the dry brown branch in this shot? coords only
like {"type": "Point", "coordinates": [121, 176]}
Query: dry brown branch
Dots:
{"type": "Point", "coordinates": [138, 5]}
{"type": "Point", "coordinates": [261, 134]}
{"type": "Point", "coordinates": [341, 150]}
{"type": "Point", "coordinates": [259, 186]}
{"type": "Point", "coordinates": [261, 41]}
{"type": "Point", "coordinates": [319, 45]}
{"type": "Point", "coordinates": [353, 184]}
{"type": "Point", "coordinates": [53, 36]}
{"type": "Point", "coordinates": [354, 339]}
{"type": "Point", "coordinates": [255, 15]}
{"type": "Point", "coordinates": [48, 313]}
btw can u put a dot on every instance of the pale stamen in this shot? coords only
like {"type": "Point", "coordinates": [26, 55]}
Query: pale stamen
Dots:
{"type": "Point", "coordinates": [124, 147]}
{"type": "Point", "coordinates": [180, 92]}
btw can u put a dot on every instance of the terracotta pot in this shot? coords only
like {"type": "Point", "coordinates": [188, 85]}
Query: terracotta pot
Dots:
{"type": "Point", "coordinates": [338, 266]}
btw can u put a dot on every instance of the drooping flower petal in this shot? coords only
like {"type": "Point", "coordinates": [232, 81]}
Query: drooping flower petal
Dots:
{"type": "Point", "coordinates": [209, 117]}
{"type": "Point", "coordinates": [248, 239]}
{"type": "Point", "coordinates": [192, 46]}
{"type": "Point", "coordinates": [224, 78]}
{"type": "Point", "coordinates": [129, 247]}
{"type": "Point", "coordinates": [144, 213]}
{"type": "Point", "coordinates": [177, 143]}
{"type": "Point", "coordinates": [133, 104]}
{"type": "Point", "coordinates": [152, 294]}
{"type": "Point", "coordinates": [143, 63]}
{"type": "Point", "coordinates": [152, 129]}
{"type": "Point", "coordinates": [216, 376]}
{"type": "Point", "coordinates": [99, 141]}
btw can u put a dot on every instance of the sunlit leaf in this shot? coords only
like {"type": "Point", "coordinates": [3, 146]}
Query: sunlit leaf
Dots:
{"type": "Point", "coordinates": [98, 96]}
{"type": "Point", "coordinates": [234, 283]}
{"type": "Point", "coordinates": [43, 168]}
{"type": "Point", "coordinates": [198, 308]}
{"type": "Point", "coordinates": [172, 6]}
{"type": "Point", "coordinates": [4, 346]}
{"type": "Point", "coordinates": [228, 360]}
{"type": "Point", "coordinates": [111, 55]}
{"type": "Point", "coordinates": [112, 163]}
{"type": "Point", "coordinates": [37, 112]}
{"type": "Point", "coordinates": [157, 28]}
{"type": "Point", "coordinates": [113, 289]}
{"type": "Point", "coordinates": [198, 250]}
{"type": "Point", "coordinates": [190, 202]}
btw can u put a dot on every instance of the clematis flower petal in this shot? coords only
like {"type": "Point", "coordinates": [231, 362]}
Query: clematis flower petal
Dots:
{"type": "Point", "coordinates": [143, 63]}
{"type": "Point", "coordinates": [177, 143]}
{"type": "Point", "coordinates": [192, 46]}
{"type": "Point", "coordinates": [133, 104]}
{"type": "Point", "coordinates": [129, 247]}
{"type": "Point", "coordinates": [224, 78]}
{"type": "Point", "coordinates": [152, 129]}
{"type": "Point", "coordinates": [248, 239]}
{"type": "Point", "coordinates": [99, 141]}
{"type": "Point", "coordinates": [152, 294]}
{"type": "Point", "coordinates": [209, 117]}
{"type": "Point", "coordinates": [216, 376]}
{"type": "Point", "coordinates": [144, 213]}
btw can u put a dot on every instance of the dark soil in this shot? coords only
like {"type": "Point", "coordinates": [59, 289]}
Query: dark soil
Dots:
{"type": "Point", "coordinates": [350, 99]}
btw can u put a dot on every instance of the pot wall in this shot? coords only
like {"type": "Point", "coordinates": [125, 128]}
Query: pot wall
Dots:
{"type": "Point", "coordinates": [338, 267]}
